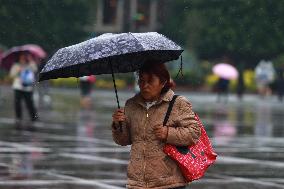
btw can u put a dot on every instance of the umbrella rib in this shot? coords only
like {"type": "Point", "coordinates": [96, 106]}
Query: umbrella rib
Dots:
{"type": "Point", "coordinates": [137, 40]}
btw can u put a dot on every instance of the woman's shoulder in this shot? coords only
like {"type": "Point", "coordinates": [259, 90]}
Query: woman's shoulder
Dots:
{"type": "Point", "coordinates": [132, 100]}
{"type": "Point", "coordinates": [183, 102]}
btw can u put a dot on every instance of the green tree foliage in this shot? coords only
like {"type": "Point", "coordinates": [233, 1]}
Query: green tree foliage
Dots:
{"type": "Point", "coordinates": [49, 23]}
{"type": "Point", "coordinates": [174, 20]}
{"type": "Point", "coordinates": [244, 30]}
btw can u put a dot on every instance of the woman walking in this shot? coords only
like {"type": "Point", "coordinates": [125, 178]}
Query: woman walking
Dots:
{"type": "Point", "coordinates": [142, 128]}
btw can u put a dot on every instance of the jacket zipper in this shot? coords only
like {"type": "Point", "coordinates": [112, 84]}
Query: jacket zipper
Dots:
{"type": "Point", "coordinates": [144, 146]}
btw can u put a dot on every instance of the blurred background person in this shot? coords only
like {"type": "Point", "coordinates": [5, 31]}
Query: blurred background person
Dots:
{"type": "Point", "coordinates": [264, 76]}
{"type": "Point", "coordinates": [241, 85]}
{"type": "Point", "coordinates": [86, 87]}
{"type": "Point", "coordinates": [280, 84]}
{"type": "Point", "coordinates": [225, 73]}
{"type": "Point", "coordinates": [222, 89]}
{"type": "Point", "coordinates": [23, 74]}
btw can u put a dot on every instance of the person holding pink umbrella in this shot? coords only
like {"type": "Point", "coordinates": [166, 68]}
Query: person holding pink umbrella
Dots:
{"type": "Point", "coordinates": [226, 72]}
{"type": "Point", "coordinates": [23, 74]}
{"type": "Point", "coordinates": [222, 89]}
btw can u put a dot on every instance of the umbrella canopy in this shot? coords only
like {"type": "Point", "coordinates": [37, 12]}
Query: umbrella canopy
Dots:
{"type": "Point", "coordinates": [36, 50]}
{"type": "Point", "coordinates": [225, 71]}
{"type": "Point", "coordinates": [110, 53]}
{"type": "Point", "coordinates": [11, 56]}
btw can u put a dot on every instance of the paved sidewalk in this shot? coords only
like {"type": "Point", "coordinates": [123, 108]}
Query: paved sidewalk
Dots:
{"type": "Point", "coordinates": [73, 148]}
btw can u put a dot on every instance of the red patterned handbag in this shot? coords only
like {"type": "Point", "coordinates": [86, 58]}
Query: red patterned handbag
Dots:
{"type": "Point", "coordinates": [192, 160]}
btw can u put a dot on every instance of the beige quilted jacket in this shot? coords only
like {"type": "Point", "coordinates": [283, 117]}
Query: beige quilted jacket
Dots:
{"type": "Point", "coordinates": [149, 166]}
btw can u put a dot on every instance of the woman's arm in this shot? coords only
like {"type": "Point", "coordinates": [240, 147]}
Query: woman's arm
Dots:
{"type": "Point", "coordinates": [15, 71]}
{"type": "Point", "coordinates": [121, 137]}
{"type": "Point", "coordinates": [33, 66]}
{"type": "Point", "coordinates": [186, 130]}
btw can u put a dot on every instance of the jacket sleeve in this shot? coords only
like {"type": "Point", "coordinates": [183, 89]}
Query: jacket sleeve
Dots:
{"type": "Point", "coordinates": [33, 66]}
{"type": "Point", "coordinates": [185, 130]}
{"type": "Point", "coordinates": [122, 138]}
{"type": "Point", "coordinates": [15, 71]}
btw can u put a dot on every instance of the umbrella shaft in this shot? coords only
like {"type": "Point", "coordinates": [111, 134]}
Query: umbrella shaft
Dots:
{"type": "Point", "coordinates": [115, 90]}
{"type": "Point", "coordinates": [114, 85]}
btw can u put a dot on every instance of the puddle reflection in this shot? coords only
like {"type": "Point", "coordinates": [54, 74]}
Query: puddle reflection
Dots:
{"type": "Point", "coordinates": [76, 142]}
{"type": "Point", "coordinates": [259, 120]}
{"type": "Point", "coordinates": [263, 123]}
{"type": "Point", "coordinates": [86, 125]}
{"type": "Point", "coordinates": [22, 163]}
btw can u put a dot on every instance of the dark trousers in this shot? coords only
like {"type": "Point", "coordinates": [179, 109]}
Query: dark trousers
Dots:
{"type": "Point", "coordinates": [28, 98]}
{"type": "Point", "coordinates": [86, 88]}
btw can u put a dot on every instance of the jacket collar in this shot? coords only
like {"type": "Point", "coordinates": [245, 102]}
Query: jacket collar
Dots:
{"type": "Point", "coordinates": [165, 97]}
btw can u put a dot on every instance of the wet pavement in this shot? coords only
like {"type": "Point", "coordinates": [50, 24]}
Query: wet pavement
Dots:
{"type": "Point", "coordinates": [72, 147]}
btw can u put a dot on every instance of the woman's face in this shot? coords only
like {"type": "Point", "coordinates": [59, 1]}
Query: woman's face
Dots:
{"type": "Point", "coordinates": [22, 59]}
{"type": "Point", "coordinates": [150, 86]}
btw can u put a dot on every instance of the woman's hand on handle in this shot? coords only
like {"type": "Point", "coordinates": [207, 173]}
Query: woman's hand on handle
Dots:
{"type": "Point", "coordinates": [118, 116]}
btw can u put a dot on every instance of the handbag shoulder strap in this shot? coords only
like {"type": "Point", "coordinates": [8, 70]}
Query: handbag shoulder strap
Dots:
{"type": "Point", "coordinates": [169, 109]}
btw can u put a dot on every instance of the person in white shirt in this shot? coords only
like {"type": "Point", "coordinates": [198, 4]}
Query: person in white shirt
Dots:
{"type": "Point", "coordinates": [23, 75]}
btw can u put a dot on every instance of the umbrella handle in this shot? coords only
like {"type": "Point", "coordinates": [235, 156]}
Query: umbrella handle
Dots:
{"type": "Point", "coordinates": [115, 90]}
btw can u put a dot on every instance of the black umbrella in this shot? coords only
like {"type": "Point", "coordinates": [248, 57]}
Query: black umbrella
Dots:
{"type": "Point", "coordinates": [110, 53]}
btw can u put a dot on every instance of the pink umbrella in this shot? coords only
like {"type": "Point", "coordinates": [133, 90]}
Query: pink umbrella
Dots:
{"type": "Point", "coordinates": [225, 71]}
{"type": "Point", "coordinates": [10, 56]}
{"type": "Point", "coordinates": [35, 50]}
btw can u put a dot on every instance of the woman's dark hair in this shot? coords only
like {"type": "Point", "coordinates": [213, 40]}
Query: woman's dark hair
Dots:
{"type": "Point", "coordinates": [159, 70]}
